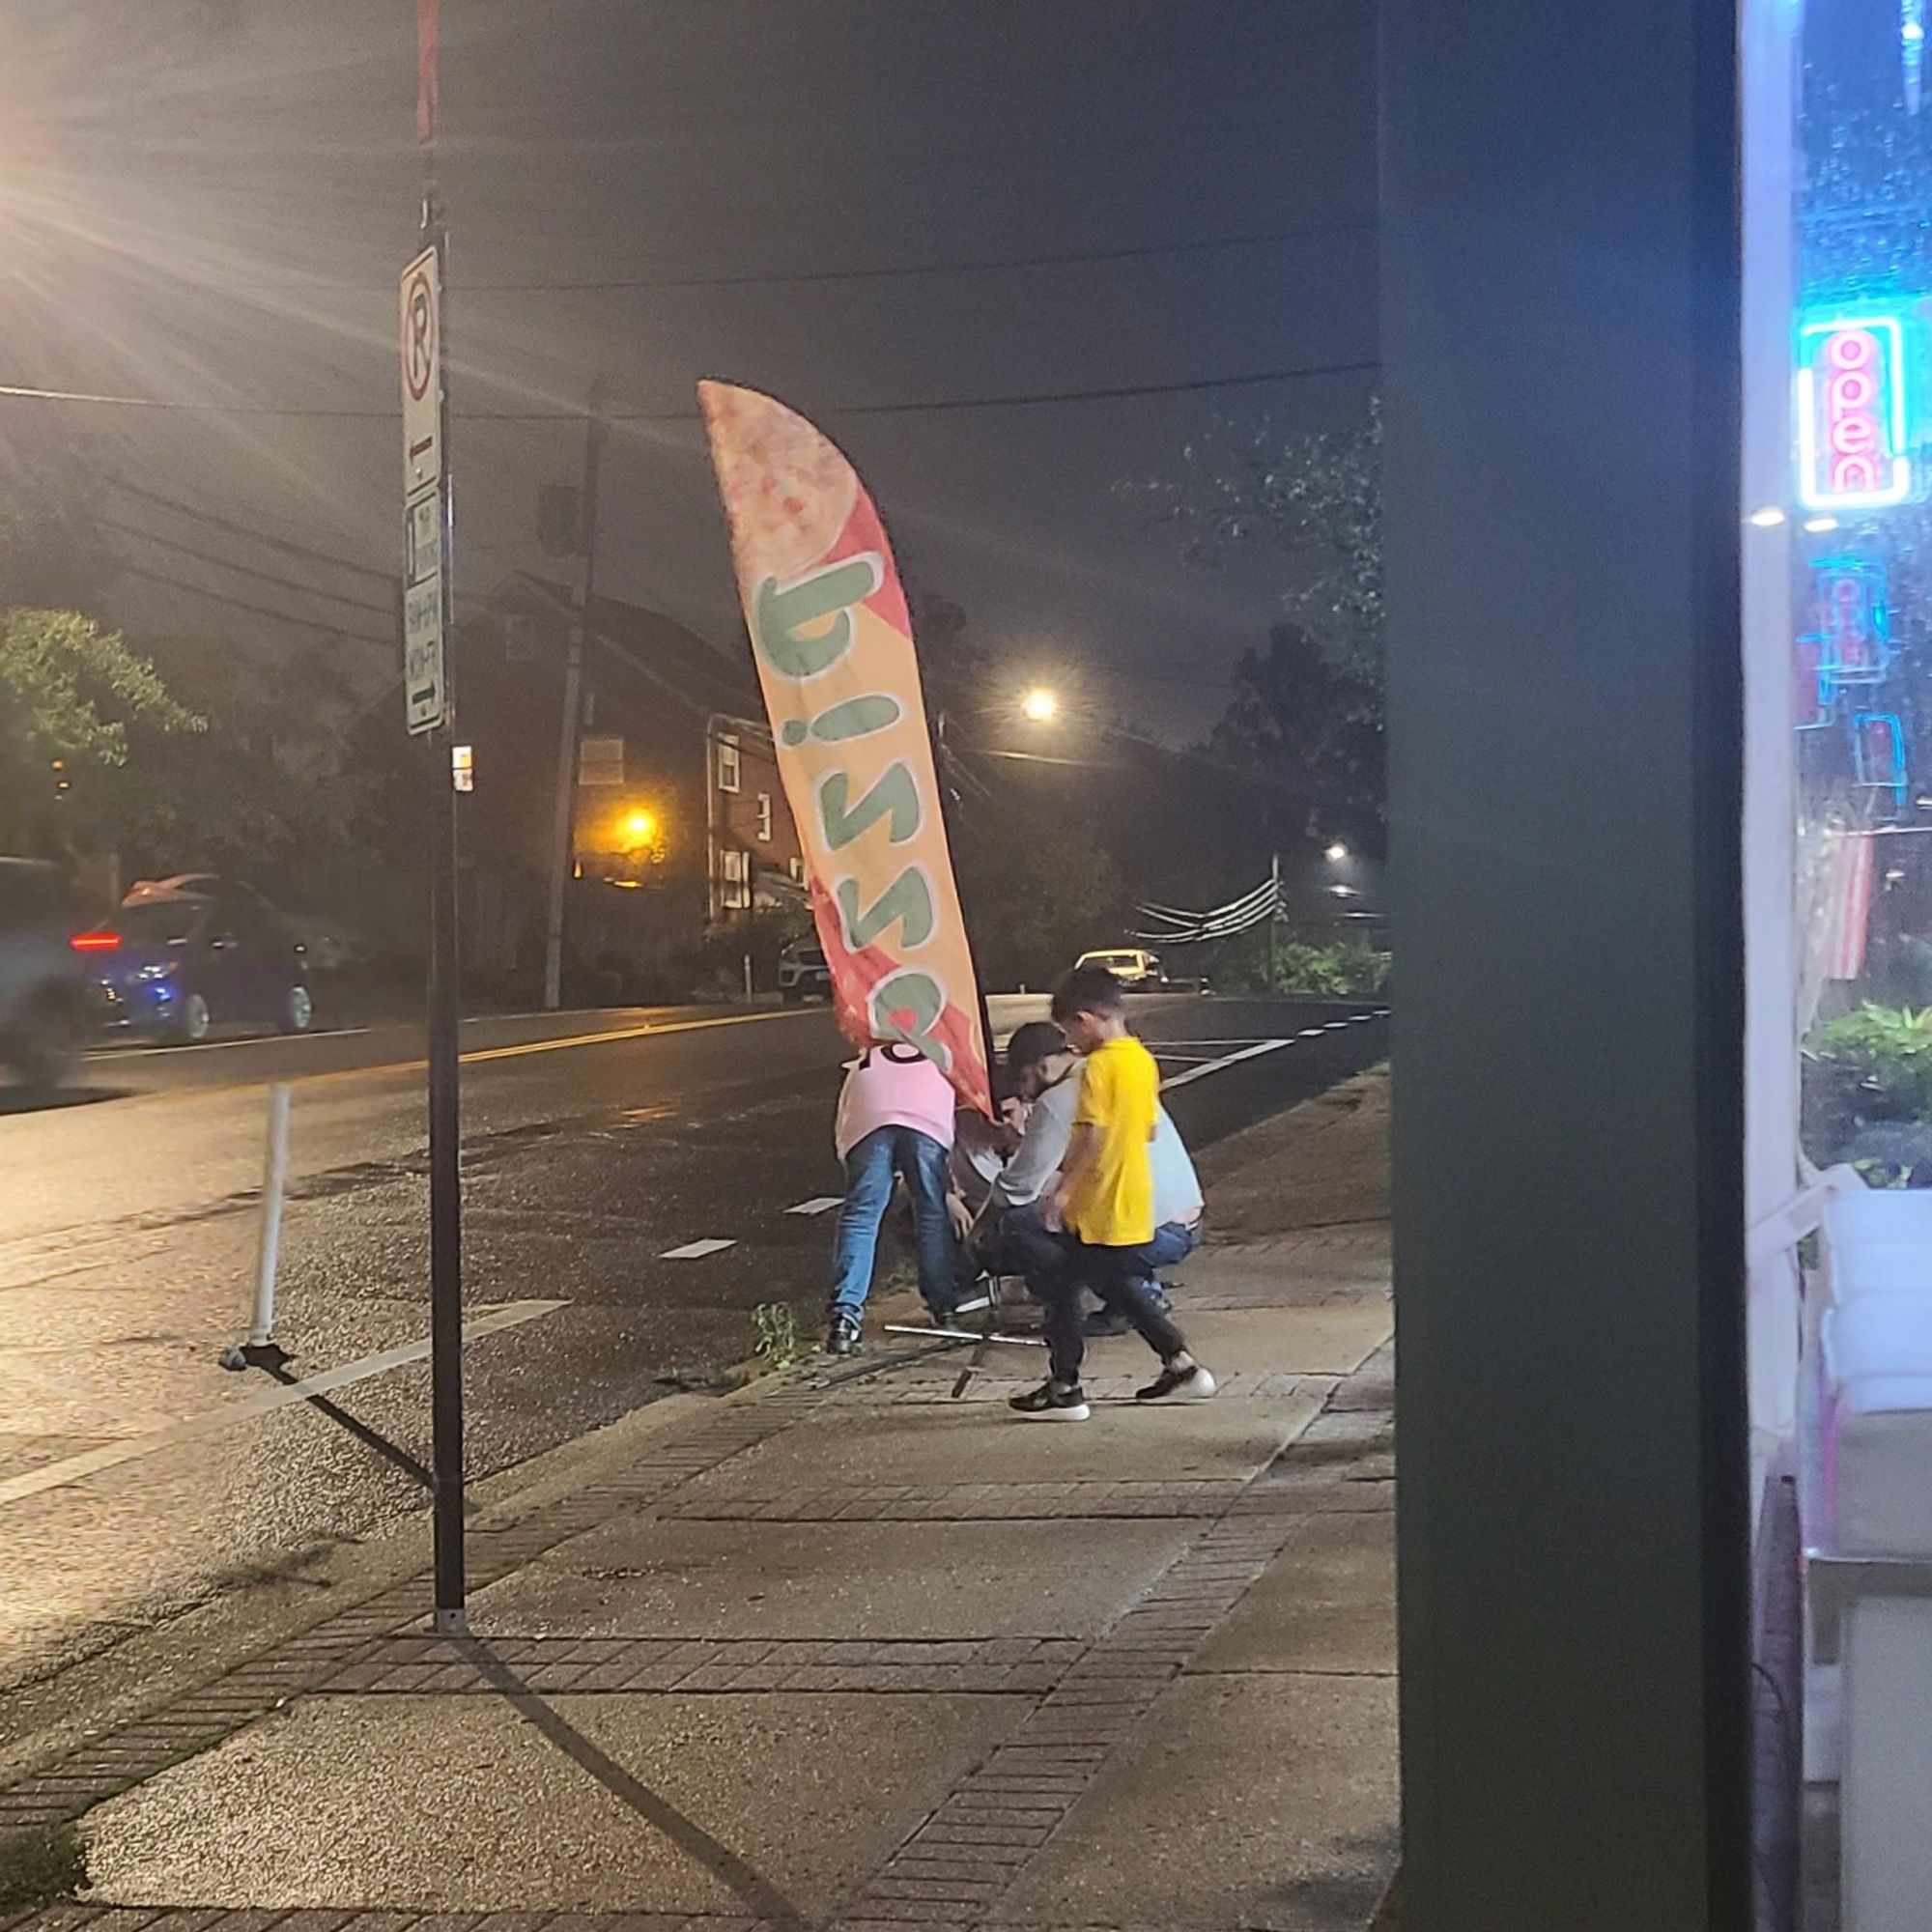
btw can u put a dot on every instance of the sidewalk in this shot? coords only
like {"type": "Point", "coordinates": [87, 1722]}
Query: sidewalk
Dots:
{"type": "Point", "coordinates": [857, 1651]}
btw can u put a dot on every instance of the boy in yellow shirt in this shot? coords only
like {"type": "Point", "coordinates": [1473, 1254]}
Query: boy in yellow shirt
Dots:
{"type": "Point", "coordinates": [1104, 1201]}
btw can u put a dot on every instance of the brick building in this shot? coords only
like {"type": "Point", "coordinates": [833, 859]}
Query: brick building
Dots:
{"type": "Point", "coordinates": [680, 828]}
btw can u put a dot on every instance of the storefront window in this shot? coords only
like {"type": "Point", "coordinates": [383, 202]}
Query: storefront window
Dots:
{"type": "Point", "coordinates": [1837, 593]}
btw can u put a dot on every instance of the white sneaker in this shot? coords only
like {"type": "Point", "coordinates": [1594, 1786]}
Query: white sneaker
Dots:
{"type": "Point", "coordinates": [1193, 1383]}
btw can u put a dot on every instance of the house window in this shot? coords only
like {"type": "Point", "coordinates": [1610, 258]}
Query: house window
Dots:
{"type": "Point", "coordinates": [736, 896]}
{"type": "Point", "coordinates": [765, 816]}
{"type": "Point", "coordinates": [520, 638]}
{"type": "Point", "coordinates": [727, 763]}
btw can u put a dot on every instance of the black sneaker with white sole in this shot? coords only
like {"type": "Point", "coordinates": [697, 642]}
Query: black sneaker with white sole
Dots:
{"type": "Point", "coordinates": [1191, 1383]}
{"type": "Point", "coordinates": [1050, 1402]}
{"type": "Point", "coordinates": [842, 1338]}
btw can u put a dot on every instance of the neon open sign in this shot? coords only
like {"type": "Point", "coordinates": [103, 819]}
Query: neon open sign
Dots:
{"type": "Point", "coordinates": [1853, 624]}
{"type": "Point", "coordinates": [1850, 414]}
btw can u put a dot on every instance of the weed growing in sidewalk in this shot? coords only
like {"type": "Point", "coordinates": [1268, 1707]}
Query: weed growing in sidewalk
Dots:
{"type": "Point", "coordinates": [40, 1866]}
{"type": "Point", "coordinates": [778, 1345]}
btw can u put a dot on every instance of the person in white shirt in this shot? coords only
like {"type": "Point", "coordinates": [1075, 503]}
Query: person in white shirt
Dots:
{"type": "Point", "coordinates": [1014, 1235]}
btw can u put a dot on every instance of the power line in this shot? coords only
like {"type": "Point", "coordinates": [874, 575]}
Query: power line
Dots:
{"type": "Point", "coordinates": [1100, 393]}
{"type": "Point", "coordinates": [254, 610]}
{"type": "Point", "coordinates": [886, 272]}
{"type": "Point", "coordinates": [306, 550]}
{"type": "Point", "coordinates": [243, 569]}
{"type": "Point", "coordinates": [904, 272]}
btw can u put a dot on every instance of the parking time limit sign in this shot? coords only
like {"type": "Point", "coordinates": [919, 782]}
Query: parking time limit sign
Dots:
{"type": "Point", "coordinates": [425, 699]}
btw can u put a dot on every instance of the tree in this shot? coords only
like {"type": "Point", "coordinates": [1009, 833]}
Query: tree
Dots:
{"type": "Point", "coordinates": [1316, 498]}
{"type": "Point", "coordinates": [1034, 901]}
{"type": "Point", "coordinates": [1312, 732]}
{"type": "Point", "coordinates": [68, 692]}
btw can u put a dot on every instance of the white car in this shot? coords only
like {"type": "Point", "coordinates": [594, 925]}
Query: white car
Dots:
{"type": "Point", "coordinates": [1137, 970]}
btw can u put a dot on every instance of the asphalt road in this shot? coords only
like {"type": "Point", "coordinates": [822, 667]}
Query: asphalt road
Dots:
{"type": "Point", "coordinates": [137, 1475]}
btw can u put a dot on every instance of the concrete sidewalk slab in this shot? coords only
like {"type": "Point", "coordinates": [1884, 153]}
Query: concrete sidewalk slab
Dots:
{"type": "Point", "coordinates": [1263, 1803]}
{"type": "Point", "coordinates": [880, 1581]}
{"type": "Point", "coordinates": [673, 1804]}
{"type": "Point", "coordinates": [903, 1446]}
{"type": "Point", "coordinates": [1326, 1603]}
{"type": "Point", "coordinates": [1289, 1341]}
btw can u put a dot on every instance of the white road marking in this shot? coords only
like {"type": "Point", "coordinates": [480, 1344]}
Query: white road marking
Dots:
{"type": "Point", "coordinates": [1309, 1033]}
{"type": "Point", "coordinates": [820, 1204]}
{"type": "Point", "coordinates": [1227, 1060]}
{"type": "Point", "coordinates": [112, 1055]}
{"type": "Point", "coordinates": [73, 1468]}
{"type": "Point", "coordinates": [695, 1251]}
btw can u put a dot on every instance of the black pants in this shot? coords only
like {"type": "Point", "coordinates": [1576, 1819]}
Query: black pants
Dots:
{"type": "Point", "coordinates": [1118, 1277]}
{"type": "Point", "coordinates": [1020, 1243]}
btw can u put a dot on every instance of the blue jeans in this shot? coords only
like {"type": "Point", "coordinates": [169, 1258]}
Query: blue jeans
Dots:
{"type": "Point", "coordinates": [869, 1168]}
{"type": "Point", "coordinates": [1172, 1243]}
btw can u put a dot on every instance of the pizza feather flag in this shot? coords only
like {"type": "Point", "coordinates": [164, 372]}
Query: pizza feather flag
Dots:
{"type": "Point", "coordinates": [833, 641]}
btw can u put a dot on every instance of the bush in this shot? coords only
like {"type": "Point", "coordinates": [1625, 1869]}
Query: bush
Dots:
{"type": "Point", "coordinates": [1867, 1094]}
{"type": "Point", "coordinates": [1346, 969]}
{"type": "Point", "coordinates": [1886, 1054]}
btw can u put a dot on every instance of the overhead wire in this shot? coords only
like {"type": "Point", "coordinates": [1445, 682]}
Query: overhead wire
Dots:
{"type": "Point", "coordinates": [1096, 393]}
{"type": "Point", "coordinates": [253, 609]}
{"type": "Point", "coordinates": [218, 562]}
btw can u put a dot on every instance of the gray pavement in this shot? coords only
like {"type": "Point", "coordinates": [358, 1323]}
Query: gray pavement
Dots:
{"type": "Point", "coordinates": [854, 1652]}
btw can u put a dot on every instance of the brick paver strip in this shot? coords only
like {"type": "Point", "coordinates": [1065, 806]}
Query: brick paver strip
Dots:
{"type": "Point", "coordinates": [98, 1918]}
{"type": "Point", "coordinates": [418, 1664]}
{"type": "Point", "coordinates": [202, 1718]}
{"type": "Point", "coordinates": [960, 1502]}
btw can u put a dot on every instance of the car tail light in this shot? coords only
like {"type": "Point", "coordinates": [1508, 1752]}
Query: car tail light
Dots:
{"type": "Point", "coordinates": [102, 941]}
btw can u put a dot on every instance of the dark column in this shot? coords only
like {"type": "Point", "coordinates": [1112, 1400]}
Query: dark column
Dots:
{"type": "Point", "coordinates": [1561, 338]}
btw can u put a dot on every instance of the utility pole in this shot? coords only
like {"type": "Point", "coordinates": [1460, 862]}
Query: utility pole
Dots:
{"type": "Point", "coordinates": [564, 817]}
{"type": "Point", "coordinates": [1274, 915]}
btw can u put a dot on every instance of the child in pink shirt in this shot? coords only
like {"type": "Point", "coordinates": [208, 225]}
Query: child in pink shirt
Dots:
{"type": "Point", "coordinates": [894, 1120]}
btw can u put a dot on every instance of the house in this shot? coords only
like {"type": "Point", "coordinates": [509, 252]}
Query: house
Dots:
{"type": "Point", "coordinates": [679, 827]}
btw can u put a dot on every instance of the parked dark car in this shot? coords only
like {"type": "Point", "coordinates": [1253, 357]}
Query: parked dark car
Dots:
{"type": "Point", "coordinates": [43, 983]}
{"type": "Point", "coordinates": [173, 965]}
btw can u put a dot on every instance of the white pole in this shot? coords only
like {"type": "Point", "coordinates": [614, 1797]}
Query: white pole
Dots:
{"type": "Point", "coordinates": [274, 1180]}
{"type": "Point", "coordinates": [748, 975]}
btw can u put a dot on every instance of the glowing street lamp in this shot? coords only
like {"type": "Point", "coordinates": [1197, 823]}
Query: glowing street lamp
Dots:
{"type": "Point", "coordinates": [1039, 706]}
{"type": "Point", "coordinates": [1337, 852]}
{"type": "Point", "coordinates": [640, 827]}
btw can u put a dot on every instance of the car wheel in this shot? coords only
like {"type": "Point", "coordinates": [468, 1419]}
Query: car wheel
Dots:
{"type": "Point", "coordinates": [298, 1010]}
{"type": "Point", "coordinates": [193, 1022]}
{"type": "Point", "coordinates": [48, 1043]}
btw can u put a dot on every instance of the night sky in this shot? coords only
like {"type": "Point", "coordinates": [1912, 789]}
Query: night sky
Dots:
{"type": "Point", "coordinates": [208, 201]}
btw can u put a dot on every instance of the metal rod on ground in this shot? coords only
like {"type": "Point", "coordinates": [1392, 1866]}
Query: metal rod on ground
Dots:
{"type": "Point", "coordinates": [259, 1350]}
{"type": "Point", "coordinates": [564, 810]}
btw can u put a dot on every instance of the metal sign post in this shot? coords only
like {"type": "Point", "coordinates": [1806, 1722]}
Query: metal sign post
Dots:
{"type": "Point", "coordinates": [428, 714]}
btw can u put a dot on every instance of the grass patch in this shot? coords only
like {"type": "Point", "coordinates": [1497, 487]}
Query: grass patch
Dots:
{"type": "Point", "coordinates": [41, 1867]}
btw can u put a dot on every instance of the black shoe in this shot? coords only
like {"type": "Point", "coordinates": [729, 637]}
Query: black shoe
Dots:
{"type": "Point", "coordinates": [843, 1336]}
{"type": "Point", "coordinates": [1102, 1325]}
{"type": "Point", "coordinates": [1193, 1383]}
{"type": "Point", "coordinates": [1050, 1402]}
{"type": "Point", "coordinates": [941, 1317]}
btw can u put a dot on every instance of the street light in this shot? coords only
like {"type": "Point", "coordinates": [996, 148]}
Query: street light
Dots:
{"type": "Point", "coordinates": [641, 825]}
{"type": "Point", "coordinates": [1337, 852]}
{"type": "Point", "coordinates": [1039, 706]}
